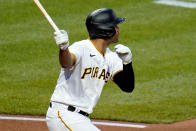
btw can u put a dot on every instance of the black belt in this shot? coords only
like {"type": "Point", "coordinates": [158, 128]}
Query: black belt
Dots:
{"type": "Point", "coordinates": [72, 109]}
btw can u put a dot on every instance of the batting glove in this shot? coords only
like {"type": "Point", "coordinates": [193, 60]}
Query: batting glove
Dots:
{"type": "Point", "coordinates": [124, 53]}
{"type": "Point", "coordinates": [62, 40]}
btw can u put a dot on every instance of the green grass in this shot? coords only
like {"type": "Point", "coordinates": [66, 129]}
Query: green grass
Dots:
{"type": "Point", "coordinates": [162, 39]}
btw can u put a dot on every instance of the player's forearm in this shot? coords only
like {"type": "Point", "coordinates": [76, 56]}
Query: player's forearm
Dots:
{"type": "Point", "coordinates": [65, 58]}
{"type": "Point", "coordinates": [125, 79]}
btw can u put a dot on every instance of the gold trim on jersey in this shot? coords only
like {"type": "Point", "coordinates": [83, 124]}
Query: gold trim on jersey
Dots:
{"type": "Point", "coordinates": [64, 121]}
{"type": "Point", "coordinates": [116, 73]}
{"type": "Point", "coordinates": [96, 47]}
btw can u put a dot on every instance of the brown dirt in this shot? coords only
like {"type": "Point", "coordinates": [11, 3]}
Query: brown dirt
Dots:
{"type": "Point", "coordinates": [21, 125]}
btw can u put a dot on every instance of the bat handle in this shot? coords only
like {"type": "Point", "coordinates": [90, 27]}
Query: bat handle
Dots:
{"type": "Point", "coordinates": [52, 23]}
{"type": "Point", "coordinates": [47, 16]}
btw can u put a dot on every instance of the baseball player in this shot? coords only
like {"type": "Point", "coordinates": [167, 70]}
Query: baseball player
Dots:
{"type": "Point", "coordinates": [86, 66]}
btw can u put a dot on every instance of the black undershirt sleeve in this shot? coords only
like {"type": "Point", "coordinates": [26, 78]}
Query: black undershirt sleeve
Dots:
{"type": "Point", "coordinates": [125, 79]}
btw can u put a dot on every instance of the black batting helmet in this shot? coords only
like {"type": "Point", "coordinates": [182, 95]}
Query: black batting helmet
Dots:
{"type": "Point", "coordinates": [101, 23]}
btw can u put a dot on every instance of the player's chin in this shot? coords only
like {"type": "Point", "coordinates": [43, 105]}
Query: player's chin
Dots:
{"type": "Point", "coordinates": [115, 40]}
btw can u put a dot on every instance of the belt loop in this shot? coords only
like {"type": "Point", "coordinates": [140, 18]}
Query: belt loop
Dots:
{"type": "Point", "coordinates": [50, 104]}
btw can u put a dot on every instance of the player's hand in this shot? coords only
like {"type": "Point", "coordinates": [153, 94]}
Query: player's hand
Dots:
{"type": "Point", "coordinates": [62, 40]}
{"type": "Point", "coordinates": [124, 53]}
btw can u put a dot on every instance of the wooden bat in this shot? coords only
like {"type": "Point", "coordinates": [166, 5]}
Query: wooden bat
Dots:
{"type": "Point", "coordinates": [46, 15]}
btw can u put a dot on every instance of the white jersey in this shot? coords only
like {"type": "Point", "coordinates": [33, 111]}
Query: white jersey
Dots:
{"type": "Point", "coordinates": [82, 85]}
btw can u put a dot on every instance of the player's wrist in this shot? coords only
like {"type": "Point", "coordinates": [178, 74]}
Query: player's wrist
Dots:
{"type": "Point", "coordinates": [63, 46]}
{"type": "Point", "coordinates": [62, 39]}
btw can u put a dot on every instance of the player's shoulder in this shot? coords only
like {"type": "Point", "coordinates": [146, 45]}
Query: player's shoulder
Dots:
{"type": "Point", "coordinates": [112, 56]}
{"type": "Point", "coordinates": [79, 44]}
{"type": "Point", "coordinates": [110, 53]}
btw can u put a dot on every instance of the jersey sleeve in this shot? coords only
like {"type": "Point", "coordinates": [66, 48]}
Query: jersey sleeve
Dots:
{"type": "Point", "coordinates": [77, 50]}
{"type": "Point", "coordinates": [116, 65]}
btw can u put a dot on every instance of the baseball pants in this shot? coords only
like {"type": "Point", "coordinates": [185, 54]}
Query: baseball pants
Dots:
{"type": "Point", "coordinates": [58, 118]}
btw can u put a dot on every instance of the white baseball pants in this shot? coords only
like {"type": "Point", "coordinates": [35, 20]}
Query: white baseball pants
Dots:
{"type": "Point", "coordinates": [58, 118]}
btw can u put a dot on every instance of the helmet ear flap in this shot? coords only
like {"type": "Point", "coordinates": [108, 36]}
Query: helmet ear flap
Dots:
{"type": "Point", "coordinates": [101, 33]}
{"type": "Point", "coordinates": [106, 33]}
{"type": "Point", "coordinates": [109, 33]}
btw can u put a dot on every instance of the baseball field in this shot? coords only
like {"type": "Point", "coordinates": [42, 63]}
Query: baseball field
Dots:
{"type": "Point", "coordinates": [162, 39]}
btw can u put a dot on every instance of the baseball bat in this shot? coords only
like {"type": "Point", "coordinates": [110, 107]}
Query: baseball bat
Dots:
{"type": "Point", "coordinates": [46, 15]}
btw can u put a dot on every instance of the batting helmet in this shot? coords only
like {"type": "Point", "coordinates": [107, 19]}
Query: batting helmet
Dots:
{"type": "Point", "coordinates": [101, 23]}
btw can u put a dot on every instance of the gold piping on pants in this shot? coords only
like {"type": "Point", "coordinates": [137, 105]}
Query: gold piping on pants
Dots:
{"type": "Point", "coordinates": [64, 121]}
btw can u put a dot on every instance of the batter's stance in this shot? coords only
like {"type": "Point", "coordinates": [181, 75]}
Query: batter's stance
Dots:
{"type": "Point", "coordinates": [86, 66]}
